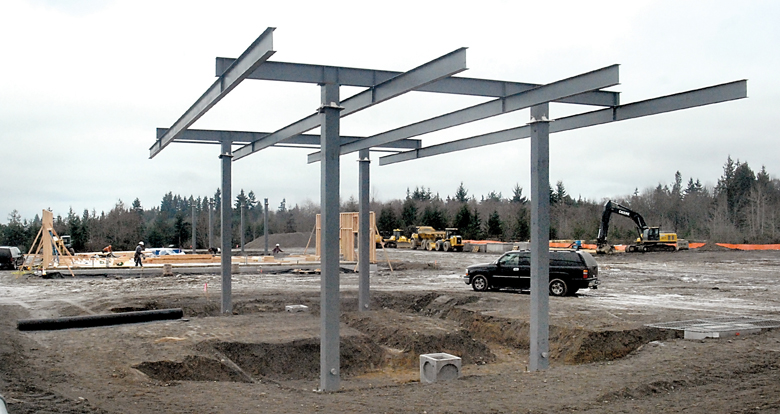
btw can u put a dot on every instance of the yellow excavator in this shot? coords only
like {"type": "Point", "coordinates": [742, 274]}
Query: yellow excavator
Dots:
{"type": "Point", "coordinates": [650, 239]}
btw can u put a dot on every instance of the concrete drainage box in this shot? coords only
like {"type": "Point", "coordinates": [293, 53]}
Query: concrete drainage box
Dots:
{"type": "Point", "coordinates": [439, 367]}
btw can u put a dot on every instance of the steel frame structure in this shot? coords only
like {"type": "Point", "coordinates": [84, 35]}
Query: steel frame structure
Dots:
{"type": "Point", "coordinates": [435, 76]}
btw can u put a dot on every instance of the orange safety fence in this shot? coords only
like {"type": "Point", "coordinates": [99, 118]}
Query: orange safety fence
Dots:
{"type": "Point", "coordinates": [750, 246]}
{"type": "Point", "coordinates": [691, 245]}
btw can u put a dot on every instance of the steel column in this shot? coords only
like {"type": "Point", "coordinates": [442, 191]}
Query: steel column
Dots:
{"type": "Point", "coordinates": [242, 229]}
{"type": "Point", "coordinates": [540, 237]}
{"type": "Point", "coordinates": [265, 225]}
{"type": "Point", "coordinates": [329, 222]}
{"type": "Point", "coordinates": [211, 225]}
{"type": "Point", "coordinates": [364, 235]}
{"type": "Point", "coordinates": [227, 227]}
{"type": "Point", "coordinates": [194, 229]}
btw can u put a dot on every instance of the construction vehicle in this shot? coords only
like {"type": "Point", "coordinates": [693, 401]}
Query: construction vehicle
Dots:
{"type": "Point", "coordinates": [392, 241]}
{"type": "Point", "coordinates": [650, 239]}
{"type": "Point", "coordinates": [428, 238]}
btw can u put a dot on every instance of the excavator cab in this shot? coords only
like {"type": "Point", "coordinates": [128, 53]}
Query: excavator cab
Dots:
{"type": "Point", "coordinates": [651, 234]}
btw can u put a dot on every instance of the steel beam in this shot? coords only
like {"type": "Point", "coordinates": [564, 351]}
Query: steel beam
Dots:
{"type": "Point", "coordinates": [316, 74]}
{"type": "Point", "coordinates": [206, 136]}
{"type": "Point", "coordinates": [364, 234]}
{"type": "Point", "coordinates": [540, 238]}
{"type": "Point", "coordinates": [597, 79]}
{"type": "Point", "coordinates": [329, 238]}
{"type": "Point", "coordinates": [699, 97]}
{"type": "Point", "coordinates": [444, 66]}
{"type": "Point", "coordinates": [257, 53]}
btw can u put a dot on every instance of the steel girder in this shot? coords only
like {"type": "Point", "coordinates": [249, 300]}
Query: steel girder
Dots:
{"type": "Point", "coordinates": [447, 65]}
{"type": "Point", "coordinates": [257, 53]}
{"type": "Point", "coordinates": [699, 97]}
{"type": "Point", "coordinates": [345, 76]}
{"type": "Point", "coordinates": [597, 79]}
{"type": "Point", "coordinates": [207, 136]}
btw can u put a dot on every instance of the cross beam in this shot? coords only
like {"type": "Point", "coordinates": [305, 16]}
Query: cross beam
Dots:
{"type": "Point", "coordinates": [442, 67]}
{"type": "Point", "coordinates": [699, 97]}
{"type": "Point", "coordinates": [345, 76]}
{"type": "Point", "coordinates": [594, 80]}
{"type": "Point", "coordinates": [207, 136]}
{"type": "Point", "coordinates": [257, 53]}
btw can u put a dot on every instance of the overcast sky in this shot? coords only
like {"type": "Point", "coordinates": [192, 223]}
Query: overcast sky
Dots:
{"type": "Point", "coordinates": [84, 84]}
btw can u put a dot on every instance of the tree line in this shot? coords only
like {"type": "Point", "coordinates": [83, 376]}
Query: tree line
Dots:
{"type": "Point", "coordinates": [741, 208]}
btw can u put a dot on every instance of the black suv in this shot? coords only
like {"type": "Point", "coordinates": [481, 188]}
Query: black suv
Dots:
{"type": "Point", "coordinates": [570, 270]}
{"type": "Point", "coordinates": [10, 257]}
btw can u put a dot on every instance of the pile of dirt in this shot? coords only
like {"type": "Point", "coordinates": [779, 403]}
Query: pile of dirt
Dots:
{"type": "Point", "coordinates": [712, 247]}
{"type": "Point", "coordinates": [283, 239]}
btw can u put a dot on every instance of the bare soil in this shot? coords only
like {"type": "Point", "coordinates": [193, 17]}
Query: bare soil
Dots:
{"type": "Point", "coordinates": [604, 357]}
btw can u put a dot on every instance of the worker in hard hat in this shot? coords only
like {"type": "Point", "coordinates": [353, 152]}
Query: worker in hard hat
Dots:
{"type": "Point", "coordinates": [277, 249]}
{"type": "Point", "coordinates": [139, 253]}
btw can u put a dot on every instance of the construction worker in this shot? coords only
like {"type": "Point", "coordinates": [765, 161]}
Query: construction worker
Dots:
{"type": "Point", "coordinates": [109, 251]}
{"type": "Point", "coordinates": [139, 252]}
{"type": "Point", "coordinates": [277, 249]}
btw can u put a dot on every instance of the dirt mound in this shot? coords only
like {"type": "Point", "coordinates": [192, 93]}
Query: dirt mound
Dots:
{"type": "Point", "coordinates": [283, 239]}
{"type": "Point", "coordinates": [193, 368]}
{"type": "Point", "coordinates": [712, 247]}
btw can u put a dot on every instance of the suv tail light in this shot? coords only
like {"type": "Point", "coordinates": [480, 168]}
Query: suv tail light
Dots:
{"type": "Point", "coordinates": [585, 274]}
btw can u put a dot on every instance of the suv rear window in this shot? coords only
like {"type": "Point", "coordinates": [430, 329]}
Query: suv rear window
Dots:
{"type": "Point", "coordinates": [565, 258]}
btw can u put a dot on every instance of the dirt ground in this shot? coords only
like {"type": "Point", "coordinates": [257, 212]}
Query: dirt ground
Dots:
{"type": "Point", "coordinates": [604, 359]}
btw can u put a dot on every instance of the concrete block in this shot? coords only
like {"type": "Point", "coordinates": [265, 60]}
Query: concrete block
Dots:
{"type": "Point", "coordinates": [439, 367]}
{"type": "Point", "coordinates": [167, 269]}
{"type": "Point", "coordinates": [719, 331]}
{"type": "Point", "coordinates": [498, 247]}
{"type": "Point", "coordinates": [296, 308]}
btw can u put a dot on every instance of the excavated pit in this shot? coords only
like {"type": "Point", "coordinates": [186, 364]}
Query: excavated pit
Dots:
{"type": "Point", "coordinates": [392, 338]}
{"type": "Point", "coordinates": [192, 368]}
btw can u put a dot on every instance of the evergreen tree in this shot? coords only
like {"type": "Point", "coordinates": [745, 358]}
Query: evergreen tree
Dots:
{"type": "Point", "coordinates": [434, 217]}
{"type": "Point", "coordinates": [409, 213]}
{"type": "Point", "coordinates": [387, 221]}
{"type": "Point", "coordinates": [495, 226]}
{"type": "Point", "coordinates": [461, 194]}
{"type": "Point", "coordinates": [517, 195]}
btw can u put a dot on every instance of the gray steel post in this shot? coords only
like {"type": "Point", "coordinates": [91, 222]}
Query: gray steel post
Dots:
{"type": "Point", "coordinates": [540, 238]}
{"type": "Point", "coordinates": [194, 230]}
{"type": "Point", "coordinates": [329, 222]}
{"type": "Point", "coordinates": [242, 229]}
{"type": "Point", "coordinates": [364, 234]}
{"type": "Point", "coordinates": [227, 227]}
{"type": "Point", "coordinates": [265, 226]}
{"type": "Point", "coordinates": [211, 226]}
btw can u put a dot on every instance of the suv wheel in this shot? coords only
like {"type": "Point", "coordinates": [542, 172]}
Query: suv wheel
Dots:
{"type": "Point", "coordinates": [558, 287]}
{"type": "Point", "coordinates": [479, 283]}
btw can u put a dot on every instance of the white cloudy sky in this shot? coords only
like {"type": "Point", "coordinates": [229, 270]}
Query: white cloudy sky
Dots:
{"type": "Point", "coordinates": [84, 84]}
